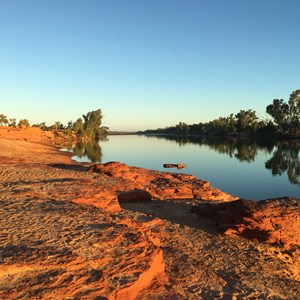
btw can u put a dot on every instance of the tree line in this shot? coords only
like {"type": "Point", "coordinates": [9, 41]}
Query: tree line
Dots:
{"type": "Point", "coordinates": [86, 128]}
{"type": "Point", "coordinates": [4, 121]}
{"type": "Point", "coordinates": [284, 121]}
{"type": "Point", "coordinates": [284, 154]}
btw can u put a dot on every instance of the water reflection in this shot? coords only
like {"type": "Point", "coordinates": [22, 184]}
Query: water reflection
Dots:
{"type": "Point", "coordinates": [244, 150]}
{"type": "Point", "coordinates": [91, 150]}
{"type": "Point", "coordinates": [285, 154]}
{"type": "Point", "coordinates": [286, 159]}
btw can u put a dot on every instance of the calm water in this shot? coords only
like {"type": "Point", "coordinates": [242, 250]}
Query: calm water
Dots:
{"type": "Point", "coordinates": [249, 169]}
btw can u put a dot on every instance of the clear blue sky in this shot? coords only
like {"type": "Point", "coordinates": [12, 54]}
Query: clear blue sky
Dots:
{"type": "Point", "coordinates": [146, 63]}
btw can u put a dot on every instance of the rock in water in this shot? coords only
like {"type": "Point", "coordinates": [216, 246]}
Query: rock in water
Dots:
{"type": "Point", "coordinates": [178, 166]}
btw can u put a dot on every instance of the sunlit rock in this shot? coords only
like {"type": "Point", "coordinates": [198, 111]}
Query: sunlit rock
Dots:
{"type": "Point", "coordinates": [162, 185]}
{"type": "Point", "coordinates": [276, 221]}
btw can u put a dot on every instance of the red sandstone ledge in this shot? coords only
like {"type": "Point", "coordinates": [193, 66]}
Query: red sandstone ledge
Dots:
{"type": "Point", "coordinates": [276, 221]}
{"type": "Point", "coordinates": [162, 185]}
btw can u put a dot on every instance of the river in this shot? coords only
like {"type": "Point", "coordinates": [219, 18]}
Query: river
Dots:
{"type": "Point", "coordinates": [252, 169]}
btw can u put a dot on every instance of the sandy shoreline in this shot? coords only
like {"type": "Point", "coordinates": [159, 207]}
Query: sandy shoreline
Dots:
{"type": "Point", "coordinates": [64, 235]}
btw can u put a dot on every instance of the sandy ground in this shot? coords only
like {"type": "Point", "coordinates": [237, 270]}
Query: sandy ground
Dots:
{"type": "Point", "coordinates": [64, 236]}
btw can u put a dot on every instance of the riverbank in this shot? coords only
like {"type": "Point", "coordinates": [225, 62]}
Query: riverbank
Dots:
{"type": "Point", "coordinates": [67, 233]}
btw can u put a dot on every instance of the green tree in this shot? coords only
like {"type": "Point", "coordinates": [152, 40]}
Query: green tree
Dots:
{"type": "Point", "coordinates": [23, 123]}
{"type": "Point", "coordinates": [231, 124]}
{"type": "Point", "coordinates": [70, 125]}
{"type": "Point", "coordinates": [92, 125]}
{"type": "Point", "coordinates": [280, 112]}
{"type": "Point", "coordinates": [13, 122]}
{"type": "Point", "coordinates": [3, 120]}
{"type": "Point", "coordinates": [78, 128]}
{"type": "Point", "coordinates": [43, 126]}
{"type": "Point", "coordinates": [294, 103]}
{"type": "Point", "coordinates": [40, 125]}
{"type": "Point", "coordinates": [182, 128]}
{"type": "Point", "coordinates": [90, 128]}
{"type": "Point", "coordinates": [57, 125]}
{"type": "Point", "coordinates": [246, 121]}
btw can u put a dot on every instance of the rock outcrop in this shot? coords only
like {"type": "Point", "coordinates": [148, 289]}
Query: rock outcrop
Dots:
{"type": "Point", "coordinates": [162, 185]}
{"type": "Point", "coordinates": [276, 221]}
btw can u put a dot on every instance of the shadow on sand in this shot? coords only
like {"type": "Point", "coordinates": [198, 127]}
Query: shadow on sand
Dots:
{"type": "Point", "coordinates": [70, 167]}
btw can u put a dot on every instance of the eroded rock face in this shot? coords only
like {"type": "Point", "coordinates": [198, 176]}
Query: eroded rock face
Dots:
{"type": "Point", "coordinates": [276, 221]}
{"type": "Point", "coordinates": [134, 195]}
{"type": "Point", "coordinates": [162, 185]}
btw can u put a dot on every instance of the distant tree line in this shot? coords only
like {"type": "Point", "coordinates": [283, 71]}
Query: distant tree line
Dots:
{"type": "Point", "coordinates": [4, 121]}
{"type": "Point", "coordinates": [87, 128]}
{"type": "Point", "coordinates": [285, 121]}
{"type": "Point", "coordinates": [12, 122]}
{"type": "Point", "coordinates": [284, 154]}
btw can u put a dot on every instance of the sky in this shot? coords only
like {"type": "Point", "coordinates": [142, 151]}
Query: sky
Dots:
{"type": "Point", "coordinates": [146, 63]}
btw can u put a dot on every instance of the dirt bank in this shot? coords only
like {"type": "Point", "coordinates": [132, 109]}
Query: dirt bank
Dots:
{"type": "Point", "coordinates": [64, 235]}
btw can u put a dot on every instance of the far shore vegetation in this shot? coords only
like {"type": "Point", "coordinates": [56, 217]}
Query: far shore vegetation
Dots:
{"type": "Point", "coordinates": [284, 122]}
{"type": "Point", "coordinates": [85, 129]}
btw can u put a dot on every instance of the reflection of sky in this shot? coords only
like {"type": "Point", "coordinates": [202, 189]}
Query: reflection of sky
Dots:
{"type": "Point", "coordinates": [246, 180]}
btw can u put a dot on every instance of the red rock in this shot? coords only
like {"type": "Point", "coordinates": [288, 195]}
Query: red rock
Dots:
{"type": "Point", "coordinates": [113, 169]}
{"type": "Point", "coordinates": [162, 185]}
{"type": "Point", "coordinates": [276, 221]}
{"type": "Point", "coordinates": [178, 166]}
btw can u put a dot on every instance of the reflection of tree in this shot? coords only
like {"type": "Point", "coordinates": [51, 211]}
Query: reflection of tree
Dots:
{"type": "Point", "coordinates": [244, 150]}
{"type": "Point", "coordinates": [286, 159]}
{"type": "Point", "coordinates": [91, 150]}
